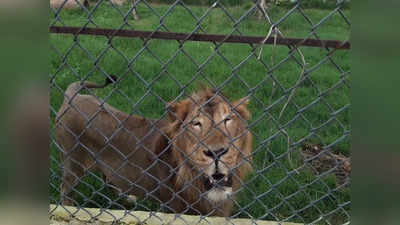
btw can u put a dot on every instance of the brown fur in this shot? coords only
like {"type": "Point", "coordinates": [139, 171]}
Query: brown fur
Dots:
{"type": "Point", "coordinates": [67, 4]}
{"type": "Point", "coordinates": [72, 4]}
{"type": "Point", "coordinates": [148, 160]}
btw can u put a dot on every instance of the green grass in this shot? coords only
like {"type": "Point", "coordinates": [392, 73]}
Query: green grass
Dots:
{"type": "Point", "coordinates": [275, 190]}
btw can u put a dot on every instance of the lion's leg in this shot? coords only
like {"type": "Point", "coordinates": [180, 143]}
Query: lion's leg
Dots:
{"type": "Point", "coordinates": [72, 173]}
{"type": "Point", "coordinates": [72, 169]}
{"type": "Point", "coordinates": [134, 11]}
{"type": "Point", "coordinates": [226, 209]}
{"type": "Point", "coordinates": [86, 3]}
{"type": "Point", "coordinates": [263, 6]}
{"type": "Point", "coordinates": [128, 199]}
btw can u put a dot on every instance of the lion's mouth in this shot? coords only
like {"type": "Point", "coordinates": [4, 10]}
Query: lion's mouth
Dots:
{"type": "Point", "coordinates": [223, 182]}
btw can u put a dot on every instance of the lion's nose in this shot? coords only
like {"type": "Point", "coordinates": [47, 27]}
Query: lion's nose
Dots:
{"type": "Point", "coordinates": [216, 154]}
{"type": "Point", "coordinates": [218, 176]}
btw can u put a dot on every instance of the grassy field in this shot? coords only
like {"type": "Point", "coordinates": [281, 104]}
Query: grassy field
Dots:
{"type": "Point", "coordinates": [276, 190]}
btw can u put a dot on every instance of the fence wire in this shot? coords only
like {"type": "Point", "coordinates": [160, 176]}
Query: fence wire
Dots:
{"type": "Point", "coordinates": [267, 140]}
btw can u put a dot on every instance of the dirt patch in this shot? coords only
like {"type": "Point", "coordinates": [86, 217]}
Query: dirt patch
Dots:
{"type": "Point", "coordinates": [323, 160]}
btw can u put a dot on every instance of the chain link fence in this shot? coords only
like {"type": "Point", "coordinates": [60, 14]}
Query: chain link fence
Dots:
{"type": "Point", "coordinates": [237, 111]}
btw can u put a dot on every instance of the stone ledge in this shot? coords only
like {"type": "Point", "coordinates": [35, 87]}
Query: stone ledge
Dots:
{"type": "Point", "coordinates": [61, 215]}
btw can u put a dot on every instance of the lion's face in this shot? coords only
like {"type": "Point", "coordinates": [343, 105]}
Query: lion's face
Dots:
{"type": "Point", "coordinates": [209, 138]}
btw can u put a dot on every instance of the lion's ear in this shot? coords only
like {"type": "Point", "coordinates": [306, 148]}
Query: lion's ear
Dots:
{"type": "Point", "coordinates": [241, 107]}
{"type": "Point", "coordinates": [178, 110]}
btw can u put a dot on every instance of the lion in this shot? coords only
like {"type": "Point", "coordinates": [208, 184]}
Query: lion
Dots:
{"type": "Point", "coordinates": [72, 4]}
{"type": "Point", "coordinates": [68, 4]}
{"type": "Point", "coordinates": [193, 161]}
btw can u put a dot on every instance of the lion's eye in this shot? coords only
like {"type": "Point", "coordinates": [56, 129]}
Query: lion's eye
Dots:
{"type": "Point", "coordinates": [227, 120]}
{"type": "Point", "coordinates": [196, 124]}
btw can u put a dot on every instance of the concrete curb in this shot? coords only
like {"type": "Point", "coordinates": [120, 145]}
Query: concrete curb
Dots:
{"type": "Point", "coordinates": [60, 215]}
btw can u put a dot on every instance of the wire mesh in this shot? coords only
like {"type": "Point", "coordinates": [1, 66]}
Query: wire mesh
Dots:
{"type": "Point", "coordinates": [153, 139]}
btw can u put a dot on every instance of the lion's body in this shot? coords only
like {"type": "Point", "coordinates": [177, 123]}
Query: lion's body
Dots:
{"type": "Point", "coordinates": [106, 126]}
{"type": "Point", "coordinates": [74, 4]}
{"type": "Point", "coordinates": [134, 155]}
{"type": "Point", "coordinates": [66, 4]}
